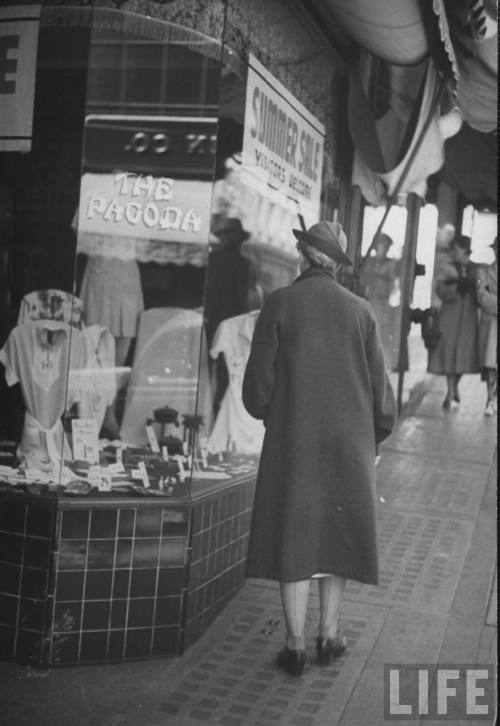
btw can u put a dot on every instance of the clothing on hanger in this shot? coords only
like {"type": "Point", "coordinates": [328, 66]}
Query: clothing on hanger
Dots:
{"type": "Point", "coordinates": [40, 355]}
{"type": "Point", "coordinates": [98, 375]}
{"type": "Point", "coordinates": [234, 428]}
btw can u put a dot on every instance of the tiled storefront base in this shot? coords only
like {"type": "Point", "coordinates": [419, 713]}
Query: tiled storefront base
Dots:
{"type": "Point", "coordinates": [93, 583]}
{"type": "Point", "coordinates": [26, 557]}
{"type": "Point", "coordinates": [219, 545]}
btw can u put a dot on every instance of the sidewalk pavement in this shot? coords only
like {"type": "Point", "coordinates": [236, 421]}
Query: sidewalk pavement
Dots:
{"type": "Point", "coordinates": [436, 604]}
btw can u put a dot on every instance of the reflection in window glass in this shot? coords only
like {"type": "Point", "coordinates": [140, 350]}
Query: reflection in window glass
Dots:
{"type": "Point", "coordinates": [379, 274]}
{"type": "Point", "coordinates": [143, 227]}
{"type": "Point", "coordinates": [142, 257]}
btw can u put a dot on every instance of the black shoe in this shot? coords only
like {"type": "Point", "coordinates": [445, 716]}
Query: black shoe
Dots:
{"type": "Point", "coordinates": [330, 648]}
{"type": "Point", "coordinates": [456, 397]}
{"type": "Point", "coordinates": [292, 661]}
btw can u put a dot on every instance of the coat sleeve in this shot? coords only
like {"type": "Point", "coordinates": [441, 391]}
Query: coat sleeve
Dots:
{"type": "Point", "coordinates": [487, 300]}
{"type": "Point", "coordinates": [446, 290]}
{"type": "Point", "coordinates": [258, 381]}
{"type": "Point", "coordinates": [384, 402]}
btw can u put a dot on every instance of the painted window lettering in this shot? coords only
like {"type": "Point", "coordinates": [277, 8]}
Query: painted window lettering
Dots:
{"type": "Point", "coordinates": [8, 64]}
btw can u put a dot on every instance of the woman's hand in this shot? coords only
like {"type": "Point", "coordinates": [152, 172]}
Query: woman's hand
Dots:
{"type": "Point", "coordinates": [480, 289]}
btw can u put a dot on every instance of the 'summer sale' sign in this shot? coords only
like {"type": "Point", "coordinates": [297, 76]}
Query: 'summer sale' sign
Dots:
{"type": "Point", "coordinates": [282, 143]}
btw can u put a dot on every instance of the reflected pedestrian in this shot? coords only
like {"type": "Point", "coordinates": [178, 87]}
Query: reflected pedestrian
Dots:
{"type": "Point", "coordinates": [379, 284]}
{"type": "Point", "coordinates": [230, 276]}
{"type": "Point", "coordinates": [316, 377]}
{"type": "Point", "coordinates": [456, 352]}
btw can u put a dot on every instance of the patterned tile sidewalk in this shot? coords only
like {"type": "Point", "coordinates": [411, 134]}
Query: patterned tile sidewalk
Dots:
{"type": "Point", "coordinates": [434, 604]}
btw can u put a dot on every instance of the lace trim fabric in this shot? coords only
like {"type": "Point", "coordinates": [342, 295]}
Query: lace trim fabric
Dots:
{"type": "Point", "coordinates": [127, 248]}
{"type": "Point", "coordinates": [444, 31]}
{"type": "Point", "coordinates": [51, 305]}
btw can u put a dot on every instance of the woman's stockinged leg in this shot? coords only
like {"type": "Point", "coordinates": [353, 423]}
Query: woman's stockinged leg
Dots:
{"type": "Point", "coordinates": [452, 394]}
{"type": "Point", "coordinates": [491, 384]}
{"type": "Point", "coordinates": [450, 386]}
{"type": "Point", "coordinates": [294, 599]}
{"type": "Point", "coordinates": [330, 594]}
{"type": "Point", "coordinates": [491, 388]}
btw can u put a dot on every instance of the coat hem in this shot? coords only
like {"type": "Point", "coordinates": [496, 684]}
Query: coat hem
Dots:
{"type": "Point", "coordinates": [364, 580]}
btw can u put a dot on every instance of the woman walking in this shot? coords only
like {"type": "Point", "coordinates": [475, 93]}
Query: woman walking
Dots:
{"type": "Point", "coordinates": [457, 350]}
{"type": "Point", "coordinates": [316, 377]}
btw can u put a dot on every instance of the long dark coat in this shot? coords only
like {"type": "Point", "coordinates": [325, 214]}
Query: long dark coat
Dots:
{"type": "Point", "coordinates": [457, 349]}
{"type": "Point", "coordinates": [316, 377]}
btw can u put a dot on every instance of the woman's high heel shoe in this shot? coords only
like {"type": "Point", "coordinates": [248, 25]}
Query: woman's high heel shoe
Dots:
{"type": "Point", "coordinates": [292, 661]}
{"type": "Point", "coordinates": [450, 403]}
{"type": "Point", "coordinates": [328, 649]}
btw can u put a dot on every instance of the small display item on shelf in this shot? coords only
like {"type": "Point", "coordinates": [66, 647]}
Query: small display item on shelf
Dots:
{"type": "Point", "coordinates": [133, 471]}
{"type": "Point", "coordinates": [166, 415]}
{"type": "Point", "coordinates": [77, 486]}
{"type": "Point", "coordinates": [173, 444]}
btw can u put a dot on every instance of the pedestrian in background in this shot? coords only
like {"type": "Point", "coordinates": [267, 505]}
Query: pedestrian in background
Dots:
{"type": "Point", "coordinates": [456, 352]}
{"type": "Point", "coordinates": [316, 377]}
{"type": "Point", "coordinates": [379, 284]}
{"type": "Point", "coordinates": [487, 298]}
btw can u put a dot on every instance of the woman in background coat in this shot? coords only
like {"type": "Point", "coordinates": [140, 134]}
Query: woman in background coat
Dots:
{"type": "Point", "coordinates": [316, 377]}
{"type": "Point", "coordinates": [457, 350]}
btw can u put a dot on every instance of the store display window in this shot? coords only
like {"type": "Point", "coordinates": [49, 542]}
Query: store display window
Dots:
{"type": "Point", "coordinates": [158, 199]}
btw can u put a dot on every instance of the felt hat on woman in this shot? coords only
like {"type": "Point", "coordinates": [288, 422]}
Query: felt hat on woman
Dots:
{"type": "Point", "coordinates": [327, 237]}
{"type": "Point", "coordinates": [232, 226]}
{"type": "Point", "coordinates": [463, 242]}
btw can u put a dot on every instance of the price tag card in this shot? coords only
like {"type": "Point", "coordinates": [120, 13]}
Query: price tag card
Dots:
{"type": "Point", "coordinates": [153, 441]}
{"type": "Point", "coordinates": [180, 463]}
{"type": "Point", "coordinates": [116, 468]}
{"type": "Point", "coordinates": [94, 476]}
{"type": "Point", "coordinates": [85, 440]}
{"type": "Point", "coordinates": [119, 456]}
{"type": "Point", "coordinates": [144, 474]}
{"type": "Point", "coordinates": [203, 451]}
{"type": "Point", "coordinates": [105, 485]}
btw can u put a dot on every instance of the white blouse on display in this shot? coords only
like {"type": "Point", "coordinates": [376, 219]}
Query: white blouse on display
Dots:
{"type": "Point", "coordinates": [234, 428]}
{"type": "Point", "coordinates": [39, 355]}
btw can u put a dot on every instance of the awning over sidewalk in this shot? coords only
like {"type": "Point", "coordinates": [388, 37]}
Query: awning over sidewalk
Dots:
{"type": "Point", "coordinates": [456, 42]}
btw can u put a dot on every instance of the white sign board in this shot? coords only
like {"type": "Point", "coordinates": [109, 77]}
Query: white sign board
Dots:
{"type": "Point", "coordinates": [19, 26]}
{"type": "Point", "coordinates": [145, 207]}
{"type": "Point", "coordinates": [282, 143]}
{"type": "Point", "coordinates": [85, 440]}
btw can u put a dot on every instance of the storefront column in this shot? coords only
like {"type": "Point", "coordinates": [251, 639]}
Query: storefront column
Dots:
{"type": "Point", "coordinates": [413, 204]}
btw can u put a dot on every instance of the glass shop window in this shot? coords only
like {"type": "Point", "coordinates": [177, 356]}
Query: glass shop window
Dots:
{"type": "Point", "coordinates": [106, 378]}
{"type": "Point", "coordinates": [143, 227]}
{"type": "Point", "coordinates": [41, 316]}
{"type": "Point", "coordinates": [137, 257]}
